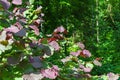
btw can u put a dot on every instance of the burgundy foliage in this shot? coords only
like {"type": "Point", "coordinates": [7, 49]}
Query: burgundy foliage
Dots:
{"type": "Point", "coordinates": [5, 4]}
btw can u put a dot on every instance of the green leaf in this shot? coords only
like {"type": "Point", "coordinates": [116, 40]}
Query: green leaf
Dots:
{"type": "Point", "coordinates": [6, 78]}
{"type": "Point", "coordinates": [44, 41]}
{"type": "Point", "coordinates": [89, 65]}
{"type": "Point", "coordinates": [4, 23]}
{"type": "Point", "coordinates": [29, 68]}
{"type": "Point", "coordinates": [65, 3]}
{"type": "Point", "coordinates": [1, 27]}
{"type": "Point", "coordinates": [18, 78]}
{"type": "Point", "coordinates": [104, 77]}
{"type": "Point", "coordinates": [1, 7]}
{"type": "Point", "coordinates": [31, 1]}
{"type": "Point", "coordinates": [35, 17]}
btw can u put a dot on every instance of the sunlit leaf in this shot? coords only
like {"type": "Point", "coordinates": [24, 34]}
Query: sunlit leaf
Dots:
{"type": "Point", "coordinates": [3, 36]}
{"type": "Point", "coordinates": [50, 73]}
{"type": "Point", "coordinates": [18, 24]}
{"type": "Point", "coordinates": [65, 3]}
{"type": "Point", "coordinates": [112, 76]}
{"type": "Point", "coordinates": [31, 1]}
{"type": "Point", "coordinates": [55, 45]}
{"type": "Point", "coordinates": [17, 2]}
{"type": "Point", "coordinates": [35, 28]}
{"type": "Point", "coordinates": [38, 10]}
{"type": "Point", "coordinates": [81, 45]}
{"type": "Point", "coordinates": [27, 77]}
{"type": "Point", "coordinates": [4, 44]}
{"type": "Point", "coordinates": [32, 76]}
{"type": "Point", "coordinates": [66, 59]}
{"type": "Point", "coordinates": [87, 69]}
{"type": "Point", "coordinates": [18, 78]}
{"type": "Point", "coordinates": [89, 65]}
{"type": "Point", "coordinates": [97, 63]}
{"type": "Point", "coordinates": [86, 53]}
{"type": "Point", "coordinates": [2, 48]}
{"type": "Point", "coordinates": [76, 53]}
{"type": "Point", "coordinates": [12, 28]}
{"type": "Point", "coordinates": [59, 29]}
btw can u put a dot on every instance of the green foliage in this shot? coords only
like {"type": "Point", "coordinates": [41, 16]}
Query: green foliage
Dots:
{"type": "Point", "coordinates": [94, 22]}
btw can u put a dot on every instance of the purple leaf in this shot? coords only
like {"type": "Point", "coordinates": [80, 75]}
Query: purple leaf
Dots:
{"type": "Point", "coordinates": [55, 67]}
{"type": "Point", "coordinates": [13, 60]}
{"type": "Point", "coordinates": [55, 45]}
{"type": "Point", "coordinates": [86, 53]}
{"type": "Point", "coordinates": [36, 64]}
{"type": "Point", "coordinates": [12, 28]}
{"type": "Point", "coordinates": [50, 73]}
{"type": "Point", "coordinates": [37, 22]}
{"type": "Point", "coordinates": [11, 17]}
{"type": "Point", "coordinates": [81, 45]}
{"type": "Point", "coordinates": [17, 24]}
{"type": "Point", "coordinates": [32, 45]}
{"type": "Point", "coordinates": [21, 33]}
{"type": "Point", "coordinates": [19, 12]}
{"type": "Point", "coordinates": [58, 36]}
{"type": "Point", "coordinates": [35, 61]}
{"type": "Point", "coordinates": [87, 69]}
{"type": "Point", "coordinates": [23, 21]}
{"type": "Point", "coordinates": [17, 2]}
{"type": "Point", "coordinates": [46, 50]}
{"type": "Point", "coordinates": [17, 29]}
{"type": "Point", "coordinates": [82, 66]}
{"type": "Point", "coordinates": [5, 4]}
{"type": "Point", "coordinates": [76, 53]}
{"type": "Point", "coordinates": [35, 28]}
{"type": "Point", "coordinates": [59, 29]}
